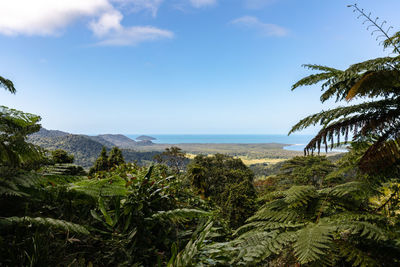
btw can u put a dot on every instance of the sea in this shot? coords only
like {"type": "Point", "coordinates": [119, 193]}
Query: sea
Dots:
{"type": "Point", "coordinates": [293, 142]}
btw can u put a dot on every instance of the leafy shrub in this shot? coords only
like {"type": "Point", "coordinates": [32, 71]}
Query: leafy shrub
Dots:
{"type": "Point", "coordinates": [61, 156]}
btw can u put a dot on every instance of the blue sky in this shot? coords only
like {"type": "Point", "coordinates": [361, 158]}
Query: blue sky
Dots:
{"type": "Point", "coordinates": [177, 66]}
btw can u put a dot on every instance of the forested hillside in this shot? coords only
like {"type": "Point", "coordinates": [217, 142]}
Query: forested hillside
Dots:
{"type": "Point", "coordinates": [86, 148]}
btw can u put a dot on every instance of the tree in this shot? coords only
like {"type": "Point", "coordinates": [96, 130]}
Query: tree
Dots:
{"type": "Point", "coordinates": [105, 162]}
{"type": "Point", "coordinates": [101, 163]}
{"type": "Point", "coordinates": [115, 158]}
{"type": "Point", "coordinates": [377, 79]}
{"type": "Point", "coordinates": [172, 156]}
{"type": "Point", "coordinates": [61, 156]}
{"type": "Point", "coordinates": [228, 182]}
{"type": "Point", "coordinates": [310, 170]}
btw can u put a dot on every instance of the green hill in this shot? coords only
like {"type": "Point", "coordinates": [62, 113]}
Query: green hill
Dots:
{"type": "Point", "coordinates": [87, 148]}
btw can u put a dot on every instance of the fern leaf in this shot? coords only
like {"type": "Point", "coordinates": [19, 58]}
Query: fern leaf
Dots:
{"type": "Point", "coordinates": [109, 187]}
{"type": "Point", "coordinates": [180, 215]}
{"type": "Point", "coordinates": [355, 256]}
{"type": "Point", "coordinates": [313, 242]}
{"type": "Point", "coordinates": [47, 222]}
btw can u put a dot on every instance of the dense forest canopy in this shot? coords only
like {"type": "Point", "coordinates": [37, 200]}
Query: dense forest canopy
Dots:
{"type": "Point", "coordinates": [307, 211]}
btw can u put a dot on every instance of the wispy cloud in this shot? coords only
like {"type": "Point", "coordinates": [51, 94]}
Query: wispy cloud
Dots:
{"type": "Point", "coordinates": [257, 4]}
{"type": "Point", "coordinates": [138, 5]}
{"type": "Point", "coordinates": [110, 31]}
{"type": "Point", "coordinates": [51, 17]}
{"type": "Point", "coordinates": [202, 3]}
{"type": "Point", "coordinates": [262, 28]}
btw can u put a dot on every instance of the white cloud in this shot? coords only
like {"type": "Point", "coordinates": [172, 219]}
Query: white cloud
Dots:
{"type": "Point", "coordinates": [202, 3]}
{"type": "Point", "coordinates": [138, 5]}
{"type": "Point", "coordinates": [134, 35]}
{"type": "Point", "coordinates": [109, 30]}
{"type": "Point", "coordinates": [107, 22]}
{"type": "Point", "coordinates": [257, 4]}
{"type": "Point", "coordinates": [263, 28]}
{"type": "Point", "coordinates": [45, 17]}
{"type": "Point", "coordinates": [50, 17]}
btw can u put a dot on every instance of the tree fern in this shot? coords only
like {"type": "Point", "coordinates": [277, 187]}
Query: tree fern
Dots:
{"type": "Point", "coordinates": [314, 228]}
{"type": "Point", "coordinates": [376, 78]}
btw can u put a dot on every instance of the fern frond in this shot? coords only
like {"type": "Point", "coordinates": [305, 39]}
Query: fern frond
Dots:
{"type": "Point", "coordinates": [266, 226]}
{"type": "Point", "coordinates": [266, 213]}
{"type": "Point", "coordinates": [46, 222]}
{"type": "Point", "coordinates": [363, 229]}
{"type": "Point", "coordinates": [8, 85]}
{"type": "Point", "coordinates": [346, 189]}
{"type": "Point", "coordinates": [185, 257]}
{"type": "Point", "coordinates": [16, 185]}
{"type": "Point", "coordinates": [355, 256]}
{"type": "Point", "coordinates": [107, 187]}
{"type": "Point", "coordinates": [256, 246]}
{"type": "Point", "coordinates": [180, 215]}
{"type": "Point", "coordinates": [323, 118]}
{"type": "Point", "coordinates": [313, 242]}
{"type": "Point", "coordinates": [299, 195]}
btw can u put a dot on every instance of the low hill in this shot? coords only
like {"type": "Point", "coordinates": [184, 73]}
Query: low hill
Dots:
{"type": "Point", "coordinates": [107, 140]}
{"type": "Point", "coordinates": [86, 148]}
{"type": "Point", "coordinates": [47, 133]}
{"type": "Point", "coordinates": [101, 140]}
{"type": "Point", "coordinates": [145, 138]}
{"type": "Point", "coordinates": [119, 140]}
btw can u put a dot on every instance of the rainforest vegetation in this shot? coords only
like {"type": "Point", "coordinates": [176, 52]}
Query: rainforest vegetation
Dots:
{"type": "Point", "coordinates": [211, 211]}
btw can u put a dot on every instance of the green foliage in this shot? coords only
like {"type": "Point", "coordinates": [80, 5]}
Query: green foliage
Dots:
{"type": "Point", "coordinates": [7, 84]}
{"type": "Point", "coordinates": [226, 181]}
{"type": "Point", "coordinates": [313, 242]}
{"type": "Point", "coordinates": [139, 213]}
{"type": "Point", "coordinates": [310, 170]}
{"type": "Point", "coordinates": [314, 224]}
{"type": "Point", "coordinates": [377, 79]}
{"type": "Point", "coordinates": [172, 157]}
{"type": "Point", "coordinates": [14, 127]}
{"type": "Point", "coordinates": [185, 258]}
{"type": "Point", "coordinates": [63, 169]}
{"type": "Point", "coordinates": [115, 158]}
{"type": "Point", "coordinates": [61, 156]}
{"type": "Point", "coordinates": [105, 162]}
{"type": "Point", "coordinates": [45, 222]}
